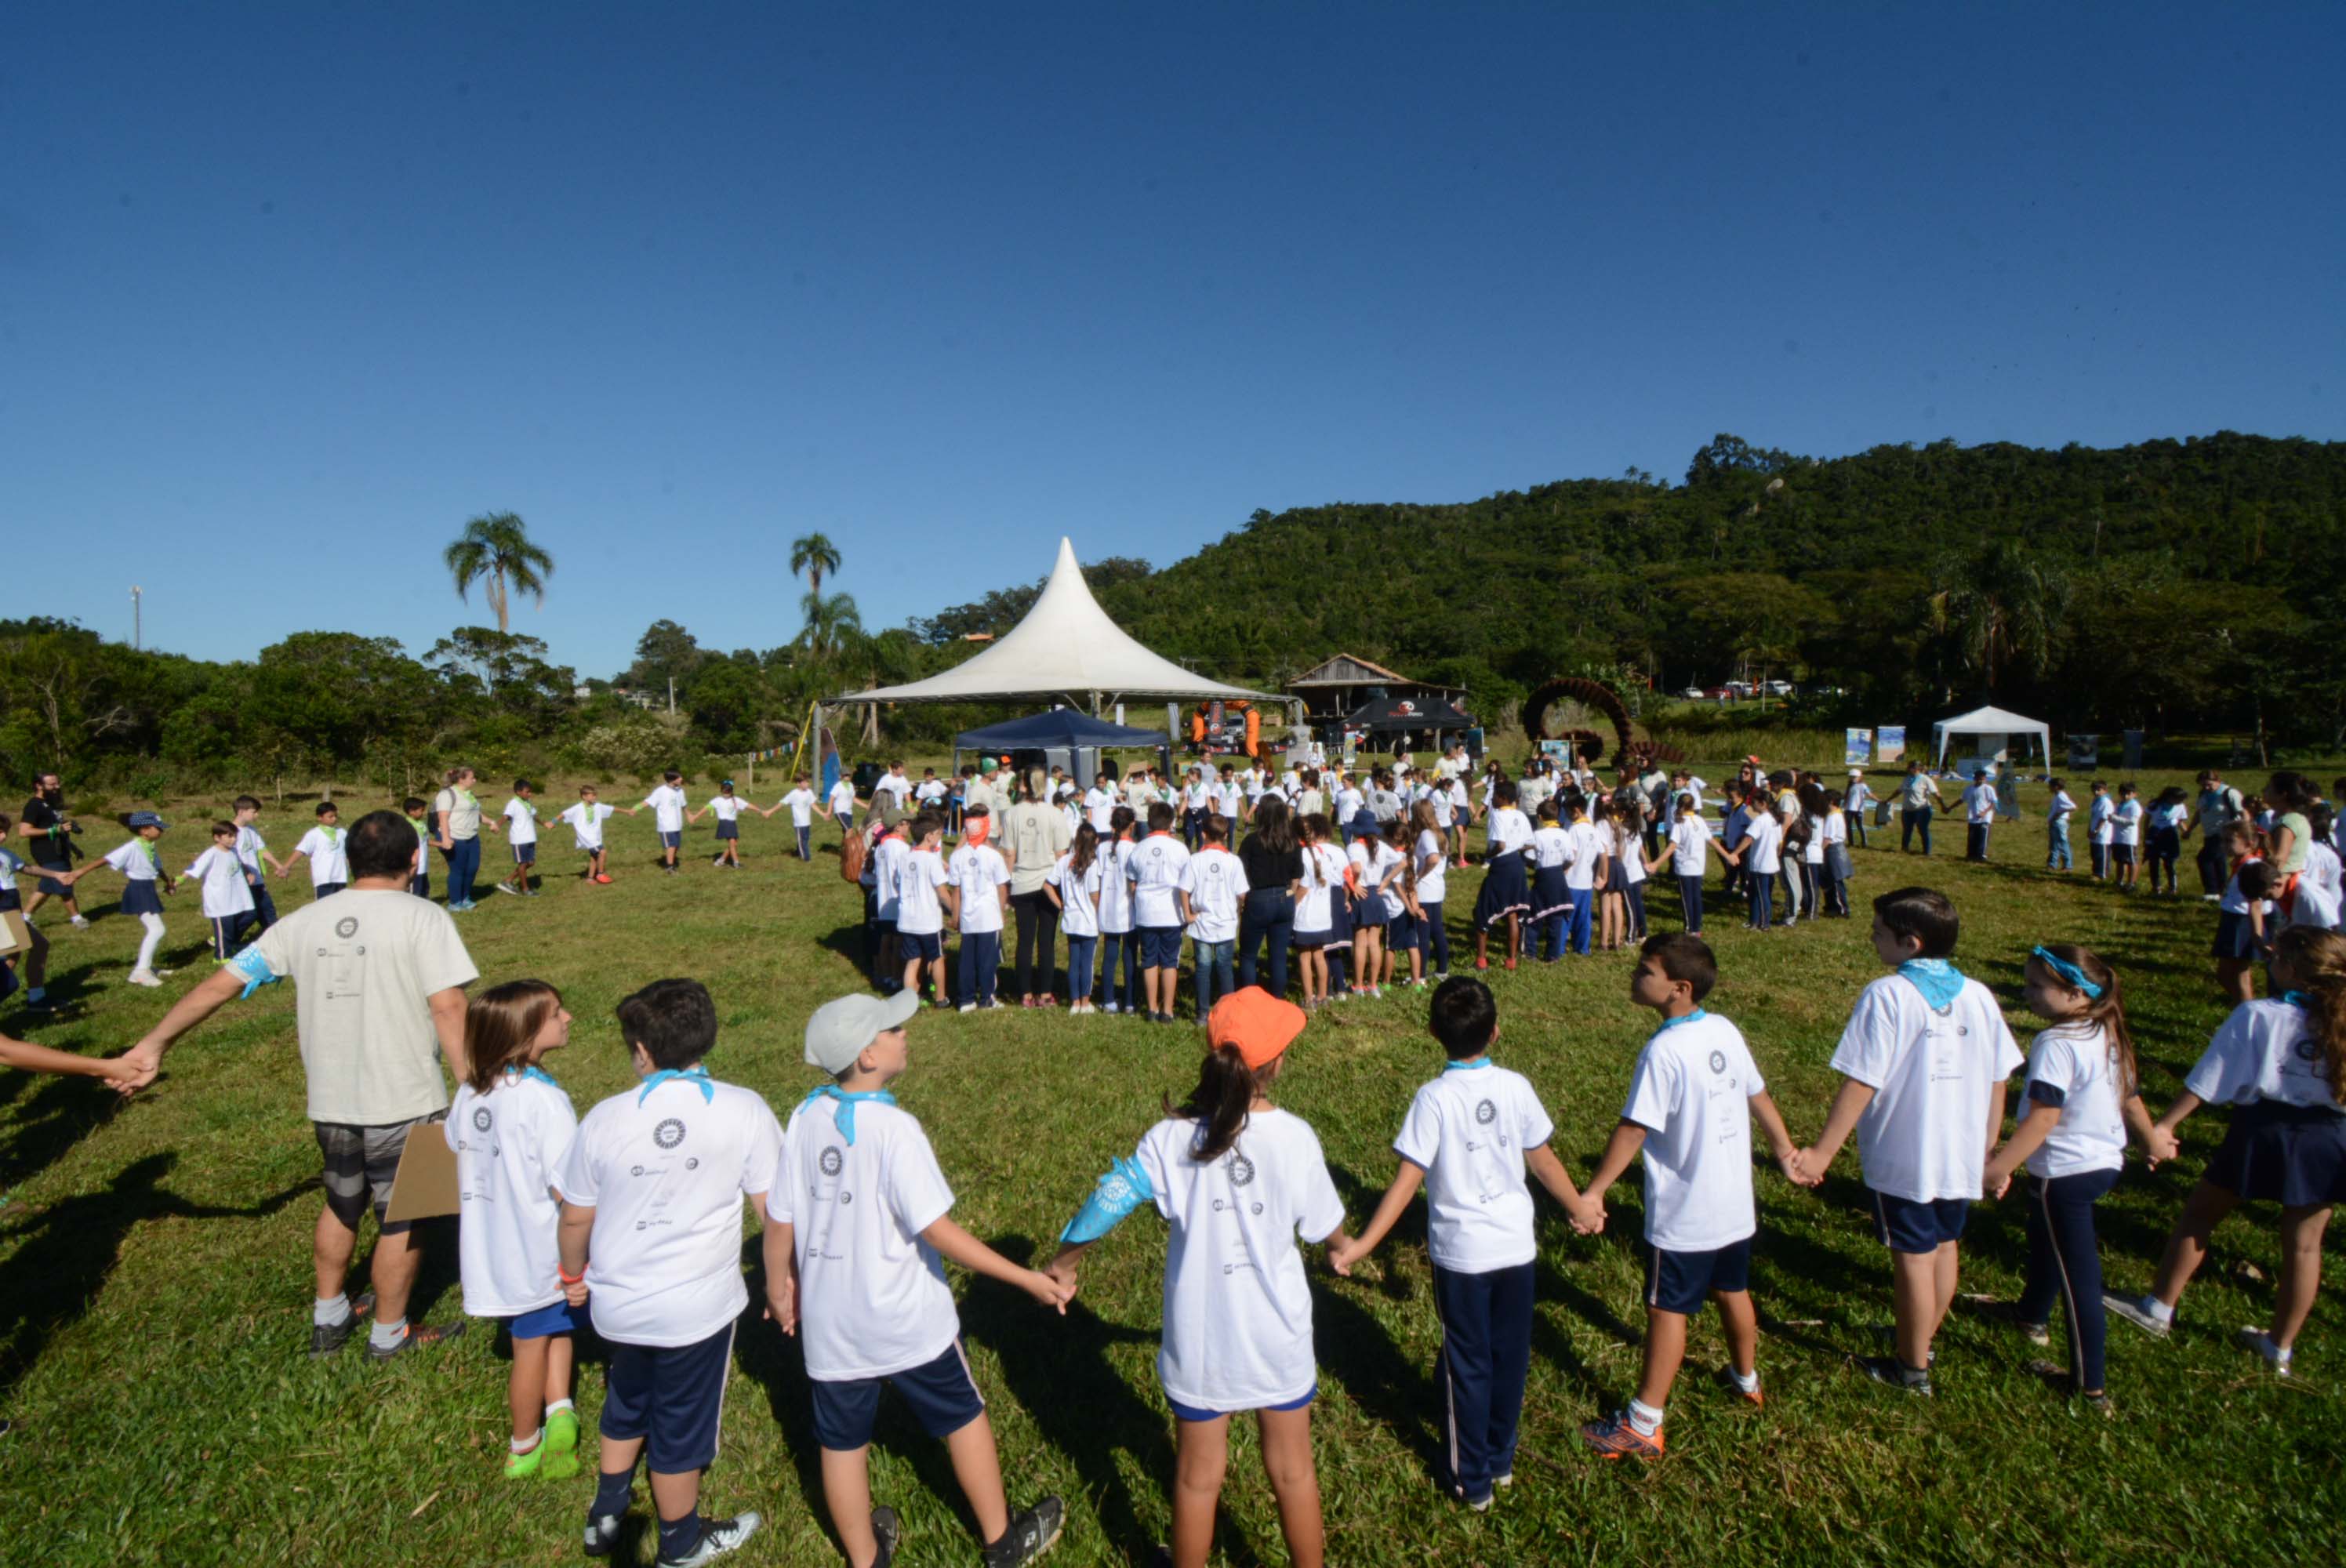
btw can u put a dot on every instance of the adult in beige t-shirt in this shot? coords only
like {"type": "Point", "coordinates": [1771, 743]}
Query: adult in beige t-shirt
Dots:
{"type": "Point", "coordinates": [1033, 835]}
{"type": "Point", "coordinates": [379, 979]}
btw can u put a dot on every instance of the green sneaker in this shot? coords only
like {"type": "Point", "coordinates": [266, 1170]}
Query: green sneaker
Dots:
{"type": "Point", "coordinates": [522, 1466]}
{"type": "Point", "coordinates": [561, 1445]}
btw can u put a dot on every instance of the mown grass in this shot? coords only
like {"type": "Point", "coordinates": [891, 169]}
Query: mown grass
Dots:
{"type": "Point", "coordinates": [154, 1277]}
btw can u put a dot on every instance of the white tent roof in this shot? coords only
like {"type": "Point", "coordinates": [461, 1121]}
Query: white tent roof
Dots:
{"type": "Point", "coordinates": [1991, 721]}
{"type": "Point", "coordinates": [1065, 646]}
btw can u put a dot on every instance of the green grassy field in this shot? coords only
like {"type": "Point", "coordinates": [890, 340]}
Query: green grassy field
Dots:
{"type": "Point", "coordinates": [153, 1276]}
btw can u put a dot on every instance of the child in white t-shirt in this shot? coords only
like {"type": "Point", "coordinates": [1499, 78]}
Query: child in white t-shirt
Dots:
{"type": "Point", "coordinates": [1469, 1136]}
{"type": "Point", "coordinates": [2072, 1133]}
{"type": "Point", "coordinates": [1212, 886]}
{"type": "Point", "coordinates": [667, 802]}
{"type": "Point", "coordinates": [2125, 837]}
{"type": "Point", "coordinates": [803, 805]}
{"type": "Point", "coordinates": [1760, 855]}
{"type": "Point", "coordinates": [1687, 849]}
{"type": "Point", "coordinates": [510, 1127]}
{"type": "Point", "coordinates": [252, 851]}
{"type": "Point", "coordinates": [419, 874]}
{"type": "Point", "coordinates": [1692, 1097]}
{"type": "Point", "coordinates": [329, 861]}
{"type": "Point", "coordinates": [1923, 1063]}
{"type": "Point", "coordinates": [1155, 865]}
{"type": "Point", "coordinates": [2099, 808]}
{"type": "Point", "coordinates": [1074, 886]}
{"type": "Point", "coordinates": [34, 954]}
{"type": "Point", "coordinates": [1239, 1180]}
{"type": "Point", "coordinates": [860, 1227]}
{"type": "Point", "coordinates": [586, 818]}
{"type": "Point", "coordinates": [924, 900]}
{"type": "Point", "coordinates": [651, 1195]}
{"type": "Point", "coordinates": [1376, 866]}
{"type": "Point", "coordinates": [521, 833]}
{"type": "Point", "coordinates": [728, 807]}
{"type": "Point", "coordinates": [980, 883]}
{"type": "Point", "coordinates": [227, 899]}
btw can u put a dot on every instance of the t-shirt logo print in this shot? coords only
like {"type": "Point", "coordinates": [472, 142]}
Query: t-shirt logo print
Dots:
{"type": "Point", "coordinates": [481, 1119]}
{"type": "Point", "coordinates": [1485, 1113]}
{"type": "Point", "coordinates": [1719, 1061]}
{"type": "Point", "coordinates": [668, 1134]}
{"type": "Point", "coordinates": [831, 1162]}
{"type": "Point", "coordinates": [1242, 1169]}
{"type": "Point", "coordinates": [347, 927]}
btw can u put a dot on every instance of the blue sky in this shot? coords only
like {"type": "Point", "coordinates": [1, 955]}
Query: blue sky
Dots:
{"type": "Point", "coordinates": [288, 293]}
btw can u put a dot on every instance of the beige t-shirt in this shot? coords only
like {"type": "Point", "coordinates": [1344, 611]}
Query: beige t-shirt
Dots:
{"type": "Point", "coordinates": [1038, 835]}
{"type": "Point", "coordinates": [464, 810]}
{"type": "Point", "coordinates": [364, 964]}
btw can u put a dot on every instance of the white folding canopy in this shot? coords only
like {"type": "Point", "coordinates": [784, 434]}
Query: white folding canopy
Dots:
{"type": "Point", "coordinates": [1066, 649]}
{"type": "Point", "coordinates": [1996, 724]}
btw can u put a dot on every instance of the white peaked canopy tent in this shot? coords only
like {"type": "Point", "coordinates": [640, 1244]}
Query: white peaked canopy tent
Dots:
{"type": "Point", "coordinates": [1065, 650]}
{"type": "Point", "coordinates": [1993, 731]}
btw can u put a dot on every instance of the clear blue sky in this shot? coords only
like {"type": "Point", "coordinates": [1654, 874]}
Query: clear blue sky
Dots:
{"type": "Point", "coordinates": [287, 292]}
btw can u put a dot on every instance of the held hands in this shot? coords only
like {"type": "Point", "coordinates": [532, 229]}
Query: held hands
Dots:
{"type": "Point", "coordinates": [1062, 1270]}
{"type": "Point", "coordinates": [1588, 1214]}
{"type": "Point", "coordinates": [782, 1302]}
{"type": "Point", "coordinates": [138, 1065]}
{"type": "Point", "coordinates": [1048, 1289]}
{"type": "Point", "coordinates": [2162, 1144]}
{"type": "Point", "coordinates": [576, 1294]}
{"type": "Point", "coordinates": [1343, 1252]}
{"type": "Point", "coordinates": [1802, 1167]}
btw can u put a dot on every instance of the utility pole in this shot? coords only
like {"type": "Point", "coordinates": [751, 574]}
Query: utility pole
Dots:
{"type": "Point", "coordinates": [138, 618]}
{"type": "Point", "coordinates": [672, 694]}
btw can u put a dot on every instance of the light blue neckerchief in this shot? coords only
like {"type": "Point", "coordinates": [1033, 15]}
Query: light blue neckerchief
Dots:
{"type": "Point", "coordinates": [2296, 999]}
{"type": "Point", "coordinates": [697, 1076]}
{"type": "Point", "coordinates": [1479, 1062]}
{"type": "Point", "coordinates": [544, 1077]}
{"type": "Point", "coordinates": [844, 1118]}
{"type": "Point", "coordinates": [1939, 981]}
{"type": "Point", "coordinates": [1669, 1024]}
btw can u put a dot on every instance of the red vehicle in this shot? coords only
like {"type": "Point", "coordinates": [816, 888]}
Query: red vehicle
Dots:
{"type": "Point", "coordinates": [1718, 694]}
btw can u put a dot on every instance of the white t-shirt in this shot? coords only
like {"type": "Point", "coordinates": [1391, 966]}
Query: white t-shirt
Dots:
{"type": "Point", "coordinates": [1551, 847]}
{"type": "Point", "coordinates": [1835, 827]}
{"type": "Point", "coordinates": [2057, 810]}
{"type": "Point", "coordinates": [727, 807]}
{"type": "Point", "coordinates": [1506, 830]}
{"type": "Point", "coordinates": [329, 862]}
{"type": "Point", "coordinates": [843, 801]}
{"type": "Point", "coordinates": [1216, 884]}
{"type": "Point", "coordinates": [668, 803]}
{"type": "Point", "coordinates": [1924, 1136]}
{"type": "Point", "coordinates": [1762, 835]}
{"type": "Point", "coordinates": [1979, 804]}
{"type": "Point", "coordinates": [1688, 835]}
{"type": "Point", "coordinates": [1237, 1308]}
{"type": "Point", "coordinates": [1230, 800]}
{"type": "Point", "coordinates": [587, 821]}
{"type": "Point", "coordinates": [222, 875]}
{"type": "Point", "coordinates": [364, 967]}
{"type": "Point", "coordinates": [1468, 1130]}
{"type": "Point", "coordinates": [896, 784]}
{"type": "Point", "coordinates": [665, 1171]}
{"type": "Point", "coordinates": [522, 816]}
{"type": "Point", "coordinates": [1079, 915]}
{"type": "Point", "coordinates": [1587, 848]}
{"type": "Point", "coordinates": [2125, 822]}
{"type": "Point", "coordinates": [1433, 863]}
{"type": "Point", "coordinates": [509, 1144]}
{"type": "Point", "coordinates": [888, 863]}
{"type": "Point", "coordinates": [249, 846]}
{"type": "Point", "coordinates": [802, 804]}
{"type": "Point", "coordinates": [1630, 853]}
{"type": "Point", "coordinates": [2075, 1061]}
{"type": "Point", "coordinates": [1374, 859]}
{"type": "Point", "coordinates": [2097, 818]}
{"type": "Point", "coordinates": [919, 911]}
{"type": "Point", "coordinates": [1323, 873]}
{"type": "Point", "coordinates": [2315, 905]}
{"type": "Point", "coordinates": [2262, 1052]}
{"type": "Point", "coordinates": [1691, 1091]}
{"type": "Point", "coordinates": [978, 869]}
{"type": "Point", "coordinates": [1443, 809]}
{"type": "Point", "coordinates": [872, 1296]}
{"type": "Point", "coordinates": [1155, 867]}
{"type": "Point", "coordinates": [930, 791]}
{"type": "Point", "coordinates": [1115, 887]}
{"type": "Point", "coordinates": [1100, 804]}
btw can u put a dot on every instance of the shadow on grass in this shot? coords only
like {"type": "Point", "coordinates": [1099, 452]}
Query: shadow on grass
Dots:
{"type": "Point", "coordinates": [44, 1128]}
{"type": "Point", "coordinates": [64, 1253]}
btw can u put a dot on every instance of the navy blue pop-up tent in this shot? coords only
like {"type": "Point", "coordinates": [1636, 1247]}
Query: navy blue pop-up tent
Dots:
{"type": "Point", "coordinates": [1065, 736]}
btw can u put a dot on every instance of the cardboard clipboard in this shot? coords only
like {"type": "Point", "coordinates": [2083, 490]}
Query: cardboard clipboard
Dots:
{"type": "Point", "coordinates": [14, 936]}
{"type": "Point", "coordinates": [426, 1186]}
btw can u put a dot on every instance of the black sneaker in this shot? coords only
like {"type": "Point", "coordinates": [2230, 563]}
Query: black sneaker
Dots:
{"type": "Point", "coordinates": [719, 1537]}
{"type": "Point", "coordinates": [1031, 1534]}
{"type": "Point", "coordinates": [603, 1533]}
{"type": "Point", "coordinates": [417, 1336]}
{"type": "Point", "coordinates": [1890, 1370]}
{"type": "Point", "coordinates": [887, 1529]}
{"type": "Point", "coordinates": [327, 1338]}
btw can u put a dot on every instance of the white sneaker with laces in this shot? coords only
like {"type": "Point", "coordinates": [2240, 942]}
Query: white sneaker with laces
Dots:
{"type": "Point", "coordinates": [80, 922]}
{"type": "Point", "coordinates": [2262, 1342]}
{"type": "Point", "coordinates": [144, 977]}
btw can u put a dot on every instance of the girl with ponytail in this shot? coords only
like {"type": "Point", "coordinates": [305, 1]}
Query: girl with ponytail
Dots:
{"type": "Point", "coordinates": [1238, 1180]}
{"type": "Point", "coordinates": [2280, 1064]}
{"type": "Point", "coordinates": [2081, 1098]}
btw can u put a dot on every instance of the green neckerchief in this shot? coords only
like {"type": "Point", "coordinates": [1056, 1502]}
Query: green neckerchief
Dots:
{"type": "Point", "coordinates": [154, 859]}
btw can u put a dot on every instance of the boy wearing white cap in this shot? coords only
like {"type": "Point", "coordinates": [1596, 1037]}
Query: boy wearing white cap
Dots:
{"type": "Point", "coordinates": [861, 1222]}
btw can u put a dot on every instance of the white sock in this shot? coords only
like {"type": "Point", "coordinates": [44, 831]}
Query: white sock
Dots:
{"type": "Point", "coordinates": [523, 1445]}
{"type": "Point", "coordinates": [558, 1405]}
{"type": "Point", "coordinates": [1643, 1419]}
{"type": "Point", "coordinates": [384, 1336]}
{"type": "Point", "coordinates": [153, 924]}
{"type": "Point", "coordinates": [330, 1313]}
{"type": "Point", "coordinates": [1746, 1381]}
{"type": "Point", "coordinates": [2159, 1309]}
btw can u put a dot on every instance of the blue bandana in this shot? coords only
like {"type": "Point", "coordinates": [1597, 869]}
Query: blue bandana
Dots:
{"type": "Point", "coordinates": [2067, 970]}
{"type": "Point", "coordinates": [547, 1078]}
{"type": "Point", "coordinates": [2296, 998]}
{"type": "Point", "coordinates": [697, 1076]}
{"type": "Point", "coordinates": [1939, 981]}
{"type": "Point", "coordinates": [1479, 1062]}
{"type": "Point", "coordinates": [844, 1118]}
{"type": "Point", "coordinates": [1674, 1023]}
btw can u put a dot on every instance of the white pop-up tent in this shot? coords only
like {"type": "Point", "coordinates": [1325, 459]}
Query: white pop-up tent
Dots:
{"type": "Point", "coordinates": [1065, 650]}
{"type": "Point", "coordinates": [1993, 732]}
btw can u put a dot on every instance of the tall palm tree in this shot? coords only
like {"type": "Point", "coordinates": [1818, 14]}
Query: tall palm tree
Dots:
{"type": "Point", "coordinates": [815, 555]}
{"type": "Point", "coordinates": [496, 545]}
{"type": "Point", "coordinates": [2003, 607]}
{"type": "Point", "coordinates": [832, 623]}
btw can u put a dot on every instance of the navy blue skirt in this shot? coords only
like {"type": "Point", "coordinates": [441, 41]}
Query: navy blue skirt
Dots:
{"type": "Point", "coordinates": [1374, 909]}
{"type": "Point", "coordinates": [2279, 1152]}
{"type": "Point", "coordinates": [729, 830]}
{"type": "Point", "coordinates": [1549, 893]}
{"type": "Point", "coordinates": [139, 897]}
{"type": "Point", "coordinates": [2235, 938]}
{"type": "Point", "coordinates": [1503, 893]}
{"type": "Point", "coordinates": [1401, 934]}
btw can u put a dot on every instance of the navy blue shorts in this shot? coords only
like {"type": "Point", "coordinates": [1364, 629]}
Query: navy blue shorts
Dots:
{"type": "Point", "coordinates": [729, 830]}
{"type": "Point", "coordinates": [943, 1395]}
{"type": "Point", "coordinates": [10, 900]}
{"type": "Point", "coordinates": [1160, 946]}
{"type": "Point", "coordinates": [560, 1317]}
{"type": "Point", "coordinates": [670, 840]}
{"type": "Point", "coordinates": [51, 886]}
{"type": "Point", "coordinates": [912, 944]}
{"type": "Point", "coordinates": [673, 1396]}
{"type": "Point", "coordinates": [2122, 854]}
{"type": "Point", "coordinates": [1681, 1282]}
{"type": "Point", "coordinates": [327, 890]}
{"type": "Point", "coordinates": [1906, 1226]}
{"type": "Point", "coordinates": [1193, 1413]}
{"type": "Point", "coordinates": [525, 854]}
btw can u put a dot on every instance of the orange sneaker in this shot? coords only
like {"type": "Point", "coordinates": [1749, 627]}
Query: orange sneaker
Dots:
{"type": "Point", "coordinates": [1615, 1438]}
{"type": "Point", "coordinates": [604, 880]}
{"type": "Point", "coordinates": [1736, 1390]}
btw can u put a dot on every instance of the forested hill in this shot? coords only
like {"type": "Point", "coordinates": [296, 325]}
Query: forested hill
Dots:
{"type": "Point", "coordinates": [2118, 586]}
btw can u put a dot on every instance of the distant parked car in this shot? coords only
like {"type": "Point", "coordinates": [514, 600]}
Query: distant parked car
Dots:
{"type": "Point", "coordinates": [1694, 694]}
{"type": "Point", "coordinates": [1779, 689]}
{"type": "Point", "coordinates": [1720, 694]}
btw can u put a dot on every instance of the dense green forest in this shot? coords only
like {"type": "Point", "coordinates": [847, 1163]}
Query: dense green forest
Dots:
{"type": "Point", "coordinates": [2176, 586]}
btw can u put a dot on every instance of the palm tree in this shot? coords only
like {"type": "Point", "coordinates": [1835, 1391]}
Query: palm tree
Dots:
{"type": "Point", "coordinates": [813, 555]}
{"type": "Point", "coordinates": [496, 545]}
{"type": "Point", "coordinates": [2001, 606]}
{"type": "Point", "coordinates": [831, 623]}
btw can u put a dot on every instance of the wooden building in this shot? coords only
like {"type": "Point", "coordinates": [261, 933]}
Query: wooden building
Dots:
{"type": "Point", "coordinates": [1336, 686]}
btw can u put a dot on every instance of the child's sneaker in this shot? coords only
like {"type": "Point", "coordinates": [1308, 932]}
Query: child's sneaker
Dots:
{"type": "Point", "coordinates": [2008, 1313]}
{"type": "Point", "coordinates": [1734, 1389]}
{"type": "Point", "coordinates": [2139, 1311]}
{"type": "Point", "coordinates": [145, 977]}
{"type": "Point", "coordinates": [521, 1466]}
{"type": "Point", "coordinates": [603, 1533]}
{"type": "Point", "coordinates": [718, 1537]}
{"type": "Point", "coordinates": [2275, 1357]}
{"type": "Point", "coordinates": [1031, 1534]}
{"type": "Point", "coordinates": [969, 1007]}
{"type": "Point", "coordinates": [603, 878]}
{"type": "Point", "coordinates": [1890, 1370]}
{"type": "Point", "coordinates": [1615, 1438]}
{"type": "Point", "coordinates": [886, 1530]}
{"type": "Point", "coordinates": [561, 1445]}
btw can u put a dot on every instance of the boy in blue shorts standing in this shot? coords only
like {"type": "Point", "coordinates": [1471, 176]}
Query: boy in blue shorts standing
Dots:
{"type": "Point", "coordinates": [1924, 1061]}
{"type": "Point", "coordinates": [858, 1224]}
{"type": "Point", "coordinates": [652, 1198]}
{"type": "Point", "coordinates": [1692, 1097]}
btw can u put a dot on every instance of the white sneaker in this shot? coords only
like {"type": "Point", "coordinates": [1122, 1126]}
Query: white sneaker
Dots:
{"type": "Point", "coordinates": [718, 1537]}
{"type": "Point", "coordinates": [969, 1007]}
{"type": "Point", "coordinates": [2262, 1342]}
{"type": "Point", "coordinates": [2136, 1310]}
{"type": "Point", "coordinates": [80, 922]}
{"type": "Point", "coordinates": [144, 977]}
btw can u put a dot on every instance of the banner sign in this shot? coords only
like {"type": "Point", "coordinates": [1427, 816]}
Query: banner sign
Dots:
{"type": "Point", "coordinates": [2085, 751]}
{"type": "Point", "coordinates": [1889, 744]}
{"type": "Point", "coordinates": [2133, 750]}
{"type": "Point", "coordinates": [1857, 748]}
